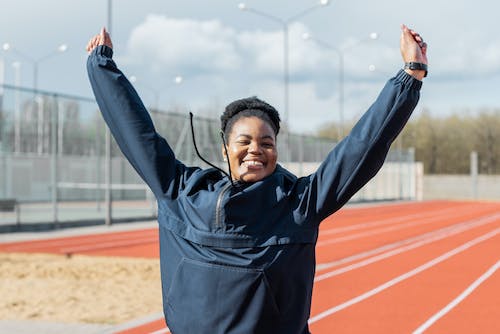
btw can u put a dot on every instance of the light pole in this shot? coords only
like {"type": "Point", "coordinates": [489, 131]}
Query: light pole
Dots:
{"type": "Point", "coordinates": [285, 23]}
{"type": "Point", "coordinates": [108, 219]}
{"type": "Point", "coordinates": [35, 61]}
{"type": "Point", "coordinates": [2, 77]}
{"type": "Point", "coordinates": [17, 108]}
{"type": "Point", "coordinates": [341, 54]}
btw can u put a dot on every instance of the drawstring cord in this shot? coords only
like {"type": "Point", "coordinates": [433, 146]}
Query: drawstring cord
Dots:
{"type": "Point", "coordinates": [206, 161]}
{"type": "Point", "coordinates": [227, 156]}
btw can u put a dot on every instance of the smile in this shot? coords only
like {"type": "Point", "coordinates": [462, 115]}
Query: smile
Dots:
{"type": "Point", "coordinates": [253, 164]}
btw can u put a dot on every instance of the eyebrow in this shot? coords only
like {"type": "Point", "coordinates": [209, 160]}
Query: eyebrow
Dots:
{"type": "Point", "coordinates": [250, 137]}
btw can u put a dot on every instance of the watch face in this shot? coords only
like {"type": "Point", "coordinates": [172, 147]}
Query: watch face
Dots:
{"type": "Point", "coordinates": [417, 66]}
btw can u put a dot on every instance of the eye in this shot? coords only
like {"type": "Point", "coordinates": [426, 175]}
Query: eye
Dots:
{"type": "Point", "coordinates": [268, 145]}
{"type": "Point", "coordinates": [243, 142]}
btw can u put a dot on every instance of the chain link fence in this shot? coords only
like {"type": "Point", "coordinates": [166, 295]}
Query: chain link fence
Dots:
{"type": "Point", "coordinates": [52, 159]}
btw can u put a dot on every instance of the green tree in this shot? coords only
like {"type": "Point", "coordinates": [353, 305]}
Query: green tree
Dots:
{"type": "Point", "coordinates": [444, 144]}
{"type": "Point", "coordinates": [487, 141]}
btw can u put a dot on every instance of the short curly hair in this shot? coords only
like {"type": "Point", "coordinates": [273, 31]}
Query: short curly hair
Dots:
{"type": "Point", "coordinates": [248, 107]}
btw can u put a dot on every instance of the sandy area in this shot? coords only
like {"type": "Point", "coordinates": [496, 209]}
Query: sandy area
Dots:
{"type": "Point", "coordinates": [101, 290]}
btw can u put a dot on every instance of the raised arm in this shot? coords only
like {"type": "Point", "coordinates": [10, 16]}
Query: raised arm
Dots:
{"type": "Point", "coordinates": [359, 156]}
{"type": "Point", "coordinates": [129, 121]}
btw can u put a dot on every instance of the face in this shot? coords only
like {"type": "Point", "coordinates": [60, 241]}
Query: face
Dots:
{"type": "Point", "coordinates": [252, 150]}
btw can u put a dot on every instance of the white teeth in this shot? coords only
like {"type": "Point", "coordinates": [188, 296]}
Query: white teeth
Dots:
{"type": "Point", "coordinates": [253, 163]}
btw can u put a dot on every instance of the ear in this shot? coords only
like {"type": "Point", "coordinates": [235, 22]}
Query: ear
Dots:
{"type": "Point", "coordinates": [223, 152]}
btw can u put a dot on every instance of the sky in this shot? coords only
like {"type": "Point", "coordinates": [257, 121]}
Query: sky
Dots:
{"type": "Point", "coordinates": [223, 53]}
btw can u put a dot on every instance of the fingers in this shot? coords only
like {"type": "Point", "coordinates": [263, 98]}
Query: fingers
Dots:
{"type": "Point", "coordinates": [105, 38]}
{"type": "Point", "coordinates": [412, 46]}
{"type": "Point", "coordinates": [424, 48]}
{"type": "Point", "coordinates": [416, 36]}
{"type": "Point", "coordinates": [102, 36]}
{"type": "Point", "coordinates": [100, 39]}
{"type": "Point", "coordinates": [93, 42]}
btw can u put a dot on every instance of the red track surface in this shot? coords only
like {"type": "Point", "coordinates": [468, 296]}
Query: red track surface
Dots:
{"type": "Point", "coordinates": [402, 268]}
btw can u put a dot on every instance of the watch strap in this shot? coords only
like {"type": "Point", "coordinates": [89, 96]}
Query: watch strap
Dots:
{"type": "Point", "coordinates": [416, 66]}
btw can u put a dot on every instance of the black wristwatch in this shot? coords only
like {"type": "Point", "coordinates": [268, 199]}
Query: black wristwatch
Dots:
{"type": "Point", "coordinates": [416, 66]}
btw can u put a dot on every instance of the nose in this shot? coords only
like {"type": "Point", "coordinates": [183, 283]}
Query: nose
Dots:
{"type": "Point", "coordinates": [254, 148]}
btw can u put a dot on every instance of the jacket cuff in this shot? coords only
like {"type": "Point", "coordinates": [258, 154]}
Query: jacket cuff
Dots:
{"type": "Point", "coordinates": [104, 50]}
{"type": "Point", "coordinates": [407, 79]}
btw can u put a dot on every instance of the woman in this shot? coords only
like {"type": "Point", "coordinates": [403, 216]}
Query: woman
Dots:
{"type": "Point", "coordinates": [237, 253]}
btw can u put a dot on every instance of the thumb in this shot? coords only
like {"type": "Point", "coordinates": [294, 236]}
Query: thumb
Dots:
{"type": "Point", "coordinates": [405, 32]}
{"type": "Point", "coordinates": [102, 36]}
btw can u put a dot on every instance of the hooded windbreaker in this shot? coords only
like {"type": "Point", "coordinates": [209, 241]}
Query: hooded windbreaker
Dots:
{"type": "Point", "coordinates": [240, 258]}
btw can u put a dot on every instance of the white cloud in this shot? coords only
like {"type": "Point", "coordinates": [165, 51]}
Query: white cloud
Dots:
{"type": "Point", "coordinates": [210, 49]}
{"type": "Point", "coordinates": [265, 51]}
{"type": "Point", "coordinates": [210, 54]}
{"type": "Point", "coordinates": [201, 47]}
{"type": "Point", "coordinates": [183, 44]}
{"type": "Point", "coordinates": [217, 60]}
{"type": "Point", "coordinates": [465, 61]}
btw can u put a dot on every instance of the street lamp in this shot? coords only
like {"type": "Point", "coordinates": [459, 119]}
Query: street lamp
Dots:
{"type": "Point", "coordinates": [341, 54]}
{"type": "Point", "coordinates": [377, 70]}
{"type": "Point", "coordinates": [178, 79]}
{"type": "Point", "coordinates": [285, 23]}
{"type": "Point", "coordinates": [156, 93]}
{"type": "Point", "coordinates": [35, 61]}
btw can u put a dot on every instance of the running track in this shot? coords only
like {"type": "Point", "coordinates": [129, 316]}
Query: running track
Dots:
{"type": "Point", "coordinates": [398, 268]}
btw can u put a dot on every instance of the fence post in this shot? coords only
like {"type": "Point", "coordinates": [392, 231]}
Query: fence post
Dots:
{"type": "Point", "coordinates": [4, 176]}
{"type": "Point", "coordinates": [3, 155]}
{"type": "Point", "coordinates": [412, 174]}
{"type": "Point", "coordinates": [473, 173]}
{"type": "Point", "coordinates": [98, 164]}
{"type": "Point", "coordinates": [39, 123]}
{"type": "Point", "coordinates": [400, 169]}
{"type": "Point", "coordinates": [301, 154]}
{"type": "Point", "coordinates": [107, 178]}
{"type": "Point", "coordinates": [53, 169]}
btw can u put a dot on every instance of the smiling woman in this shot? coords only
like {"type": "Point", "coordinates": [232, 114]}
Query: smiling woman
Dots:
{"type": "Point", "coordinates": [252, 149]}
{"type": "Point", "coordinates": [251, 126]}
{"type": "Point", "coordinates": [238, 250]}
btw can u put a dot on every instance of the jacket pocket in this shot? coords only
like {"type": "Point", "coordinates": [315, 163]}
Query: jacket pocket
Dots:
{"type": "Point", "coordinates": [213, 298]}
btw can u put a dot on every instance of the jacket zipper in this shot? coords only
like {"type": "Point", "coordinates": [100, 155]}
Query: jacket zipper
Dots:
{"type": "Point", "coordinates": [218, 207]}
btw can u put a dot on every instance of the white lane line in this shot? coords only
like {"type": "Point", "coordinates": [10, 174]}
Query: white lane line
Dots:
{"type": "Point", "coordinates": [83, 240]}
{"type": "Point", "coordinates": [110, 244]}
{"type": "Point", "coordinates": [379, 231]}
{"type": "Point", "coordinates": [387, 221]}
{"type": "Point", "coordinates": [457, 300]}
{"type": "Point", "coordinates": [441, 234]}
{"type": "Point", "coordinates": [403, 277]}
{"type": "Point", "coordinates": [417, 242]}
{"type": "Point", "coordinates": [161, 331]}
{"type": "Point", "coordinates": [431, 234]}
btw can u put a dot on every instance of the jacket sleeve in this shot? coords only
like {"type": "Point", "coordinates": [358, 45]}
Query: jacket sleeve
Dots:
{"type": "Point", "coordinates": [360, 155]}
{"type": "Point", "coordinates": [131, 125]}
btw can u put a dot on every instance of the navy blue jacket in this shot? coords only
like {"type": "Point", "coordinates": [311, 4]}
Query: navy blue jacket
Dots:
{"type": "Point", "coordinates": [241, 259]}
